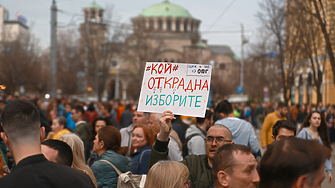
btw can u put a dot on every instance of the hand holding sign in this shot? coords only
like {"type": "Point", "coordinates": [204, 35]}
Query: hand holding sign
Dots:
{"type": "Point", "coordinates": [182, 88]}
{"type": "Point", "coordinates": [165, 125]}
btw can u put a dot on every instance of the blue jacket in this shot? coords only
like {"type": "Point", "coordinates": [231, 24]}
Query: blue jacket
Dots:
{"type": "Point", "coordinates": [141, 160]}
{"type": "Point", "coordinates": [69, 122]}
{"type": "Point", "coordinates": [104, 173]}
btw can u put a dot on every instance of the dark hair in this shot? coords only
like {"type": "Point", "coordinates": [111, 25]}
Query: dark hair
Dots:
{"type": "Point", "coordinates": [322, 129]}
{"type": "Point", "coordinates": [111, 137]}
{"type": "Point", "coordinates": [283, 124]}
{"type": "Point", "coordinates": [281, 105]}
{"type": "Point", "coordinates": [224, 157]}
{"type": "Point", "coordinates": [20, 119]}
{"type": "Point", "coordinates": [106, 120]}
{"type": "Point", "coordinates": [65, 155]}
{"type": "Point", "coordinates": [208, 116]}
{"type": "Point", "coordinates": [107, 106]}
{"type": "Point", "coordinates": [80, 109]}
{"type": "Point", "coordinates": [128, 107]}
{"type": "Point", "coordinates": [91, 107]}
{"type": "Point", "coordinates": [62, 121]}
{"type": "Point", "coordinates": [224, 107]}
{"type": "Point", "coordinates": [286, 160]}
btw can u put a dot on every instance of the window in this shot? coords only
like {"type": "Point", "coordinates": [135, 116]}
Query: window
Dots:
{"type": "Point", "coordinates": [191, 27]}
{"type": "Point", "coordinates": [168, 25]}
{"type": "Point", "coordinates": [160, 25]}
{"type": "Point", "coordinates": [177, 26]}
{"type": "Point", "coordinates": [151, 24]}
{"type": "Point", "coordinates": [185, 27]}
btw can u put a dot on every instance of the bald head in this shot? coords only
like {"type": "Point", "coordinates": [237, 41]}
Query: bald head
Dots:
{"type": "Point", "coordinates": [223, 129]}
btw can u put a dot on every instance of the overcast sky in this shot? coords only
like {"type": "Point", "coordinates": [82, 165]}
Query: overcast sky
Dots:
{"type": "Point", "coordinates": [241, 11]}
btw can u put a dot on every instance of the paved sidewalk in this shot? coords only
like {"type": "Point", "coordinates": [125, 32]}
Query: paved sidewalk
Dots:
{"type": "Point", "coordinates": [325, 183]}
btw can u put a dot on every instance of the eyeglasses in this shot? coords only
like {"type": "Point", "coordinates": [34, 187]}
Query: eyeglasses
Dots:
{"type": "Point", "coordinates": [220, 139]}
{"type": "Point", "coordinates": [253, 160]}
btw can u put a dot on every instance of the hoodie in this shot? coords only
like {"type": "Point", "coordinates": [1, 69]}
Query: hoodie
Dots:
{"type": "Point", "coordinates": [242, 131]}
{"type": "Point", "coordinates": [196, 145]}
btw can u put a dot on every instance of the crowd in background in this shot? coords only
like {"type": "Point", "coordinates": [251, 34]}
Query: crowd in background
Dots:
{"type": "Point", "coordinates": [114, 135]}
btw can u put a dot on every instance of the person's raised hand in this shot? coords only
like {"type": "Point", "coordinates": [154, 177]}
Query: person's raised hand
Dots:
{"type": "Point", "coordinates": [165, 125]}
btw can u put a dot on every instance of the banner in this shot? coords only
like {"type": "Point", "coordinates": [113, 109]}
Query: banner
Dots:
{"type": "Point", "coordinates": [179, 87]}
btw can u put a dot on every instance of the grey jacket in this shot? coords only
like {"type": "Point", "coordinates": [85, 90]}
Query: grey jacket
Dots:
{"type": "Point", "coordinates": [304, 134]}
{"type": "Point", "coordinates": [196, 145]}
{"type": "Point", "coordinates": [242, 131]}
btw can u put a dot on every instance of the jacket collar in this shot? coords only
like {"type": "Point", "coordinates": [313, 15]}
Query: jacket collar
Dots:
{"type": "Point", "coordinates": [31, 160]}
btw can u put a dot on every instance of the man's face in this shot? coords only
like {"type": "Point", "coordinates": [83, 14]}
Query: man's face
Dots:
{"type": "Point", "coordinates": [74, 115]}
{"type": "Point", "coordinates": [218, 134]}
{"type": "Point", "coordinates": [283, 133]}
{"type": "Point", "coordinates": [49, 153]}
{"type": "Point", "coordinates": [67, 108]}
{"type": "Point", "coordinates": [102, 110]}
{"type": "Point", "coordinates": [153, 123]}
{"type": "Point", "coordinates": [302, 108]}
{"type": "Point", "coordinates": [283, 111]}
{"type": "Point", "coordinates": [140, 119]}
{"type": "Point", "coordinates": [244, 172]}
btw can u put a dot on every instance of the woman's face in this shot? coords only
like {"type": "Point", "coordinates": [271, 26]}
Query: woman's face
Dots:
{"type": "Point", "coordinates": [138, 139]}
{"type": "Point", "coordinates": [315, 120]}
{"type": "Point", "coordinates": [55, 127]}
{"type": "Point", "coordinates": [98, 146]}
{"type": "Point", "coordinates": [99, 124]}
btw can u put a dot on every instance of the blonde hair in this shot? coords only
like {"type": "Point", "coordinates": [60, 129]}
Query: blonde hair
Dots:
{"type": "Point", "coordinates": [167, 174]}
{"type": "Point", "coordinates": [77, 147]}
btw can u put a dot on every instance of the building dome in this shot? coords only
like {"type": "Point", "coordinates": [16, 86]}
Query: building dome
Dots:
{"type": "Point", "coordinates": [166, 9]}
{"type": "Point", "coordinates": [94, 5]}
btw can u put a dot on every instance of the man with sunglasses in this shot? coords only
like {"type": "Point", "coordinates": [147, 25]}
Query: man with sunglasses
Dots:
{"type": "Point", "coordinates": [200, 166]}
{"type": "Point", "coordinates": [234, 166]}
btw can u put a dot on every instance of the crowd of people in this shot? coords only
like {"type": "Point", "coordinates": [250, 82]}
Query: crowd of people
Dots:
{"type": "Point", "coordinates": [69, 143]}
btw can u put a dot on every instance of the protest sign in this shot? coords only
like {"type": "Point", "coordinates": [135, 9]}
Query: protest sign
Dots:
{"type": "Point", "coordinates": [179, 87]}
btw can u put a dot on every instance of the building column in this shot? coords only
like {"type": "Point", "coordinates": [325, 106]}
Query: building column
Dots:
{"type": "Point", "coordinates": [173, 24]}
{"type": "Point", "coordinates": [164, 24]}
{"type": "Point", "coordinates": [181, 26]}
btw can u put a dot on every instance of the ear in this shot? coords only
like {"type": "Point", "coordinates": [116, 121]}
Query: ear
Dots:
{"type": "Point", "coordinates": [42, 134]}
{"type": "Point", "coordinates": [273, 138]}
{"type": "Point", "coordinates": [101, 144]}
{"type": "Point", "coordinates": [301, 182]}
{"type": "Point", "coordinates": [5, 138]}
{"type": "Point", "coordinates": [222, 115]}
{"type": "Point", "coordinates": [223, 178]}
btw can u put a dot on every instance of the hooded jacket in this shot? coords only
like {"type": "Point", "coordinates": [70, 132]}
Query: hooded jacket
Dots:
{"type": "Point", "coordinates": [104, 173]}
{"type": "Point", "coordinates": [196, 145]}
{"type": "Point", "coordinates": [242, 131]}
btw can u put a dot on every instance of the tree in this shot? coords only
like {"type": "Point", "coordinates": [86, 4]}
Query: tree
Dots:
{"type": "Point", "coordinates": [273, 19]}
{"type": "Point", "coordinates": [20, 63]}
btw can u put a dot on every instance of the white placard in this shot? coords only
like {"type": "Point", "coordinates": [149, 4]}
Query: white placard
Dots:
{"type": "Point", "coordinates": [179, 87]}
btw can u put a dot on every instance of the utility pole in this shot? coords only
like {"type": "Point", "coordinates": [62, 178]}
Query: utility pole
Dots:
{"type": "Point", "coordinates": [244, 41]}
{"type": "Point", "coordinates": [53, 49]}
{"type": "Point", "coordinates": [86, 52]}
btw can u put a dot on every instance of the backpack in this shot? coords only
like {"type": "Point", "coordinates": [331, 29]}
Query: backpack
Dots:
{"type": "Point", "coordinates": [127, 179]}
{"type": "Point", "coordinates": [185, 148]}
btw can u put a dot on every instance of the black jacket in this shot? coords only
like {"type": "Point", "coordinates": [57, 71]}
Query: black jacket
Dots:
{"type": "Point", "coordinates": [37, 172]}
